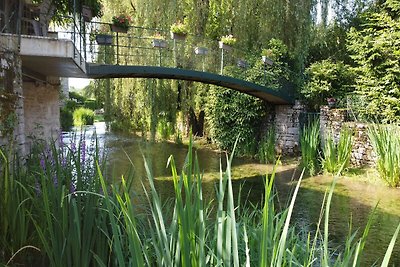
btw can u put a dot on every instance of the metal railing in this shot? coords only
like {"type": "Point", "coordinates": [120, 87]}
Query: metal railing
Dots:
{"type": "Point", "coordinates": [97, 42]}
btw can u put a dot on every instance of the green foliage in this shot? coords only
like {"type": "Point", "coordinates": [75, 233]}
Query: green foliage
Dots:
{"type": "Point", "coordinates": [78, 217]}
{"type": "Point", "coordinates": [228, 40]}
{"type": "Point", "coordinates": [385, 140]}
{"type": "Point", "coordinates": [91, 104]}
{"type": "Point", "coordinates": [374, 47]}
{"type": "Point", "coordinates": [83, 116]}
{"type": "Point", "coordinates": [266, 148]}
{"type": "Point", "coordinates": [309, 143]}
{"type": "Point", "coordinates": [66, 119]}
{"type": "Point", "coordinates": [78, 98]}
{"type": "Point", "coordinates": [165, 128]}
{"type": "Point", "coordinates": [327, 79]}
{"type": "Point", "coordinates": [336, 156]}
{"type": "Point", "coordinates": [179, 28]}
{"type": "Point", "coordinates": [228, 112]}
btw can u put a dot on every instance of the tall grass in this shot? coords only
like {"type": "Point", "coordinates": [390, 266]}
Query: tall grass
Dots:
{"type": "Point", "coordinates": [266, 151]}
{"type": "Point", "coordinates": [336, 156]}
{"type": "Point", "coordinates": [78, 217]}
{"type": "Point", "coordinates": [385, 141]}
{"type": "Point", "coordinates": [309, 143]}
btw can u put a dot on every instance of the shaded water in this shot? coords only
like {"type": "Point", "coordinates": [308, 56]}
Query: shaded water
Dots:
{"type": "Point", "coordinates": [352, 199]}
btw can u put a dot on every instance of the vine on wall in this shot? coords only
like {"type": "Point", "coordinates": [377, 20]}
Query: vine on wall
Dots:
{"type": "Point", "coordinates": [8, 98]}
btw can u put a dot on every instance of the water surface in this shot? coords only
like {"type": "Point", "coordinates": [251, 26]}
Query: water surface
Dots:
{"type": "Point", "coordinates": [353, 200]}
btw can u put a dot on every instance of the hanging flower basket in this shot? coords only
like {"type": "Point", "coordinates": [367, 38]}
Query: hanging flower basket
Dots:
{"type": "Point", "coordinates": [331, 102]}
{"type": "Point", "coordinates": [116, 28]}
{"type": "Point", "coordinates": [159, 43]}
{"type": "Point", "coordinates": [120, 23]}
{"type": "Point", "coordinates": [104, 39]}
{"type": "Point", "coordinates": [227, 42]}
{"type": "Point", "coordinates": [87, 13]}
{"type": "Point", "coordinates": [201, 50]}
{"type": "Point", "coordinates": [178, 36]}
{"type": "Point", "coordinates": [241, 63]}
{"type": "Point", "coordinates": [179, 31]}
{"type": "Point", "coordinates": [224, 46]}
{"type": "Point", "coordinates": [267, 61]}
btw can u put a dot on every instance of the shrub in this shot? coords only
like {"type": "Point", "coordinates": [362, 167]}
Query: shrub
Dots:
{"type": "Point", "coordinates": [327, 79]}
{"type": "Point", "coordinates": [385, 141]}
{"type": "Point", "coordinates": [91, 104]}
{"type": "Point", "coordinates": [336, 157]}
{"type": "Point", "coordinates": [309, 143]}
{"type": "Point", "coordinates": [83, 116]}
{"type": "Point", "coordinates": [66, 119]}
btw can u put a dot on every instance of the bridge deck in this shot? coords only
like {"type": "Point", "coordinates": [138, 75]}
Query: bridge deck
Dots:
{"type": "Point", "coordinates": [96, 71]}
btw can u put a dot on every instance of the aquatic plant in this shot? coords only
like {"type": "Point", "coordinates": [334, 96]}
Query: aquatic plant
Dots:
{"type": "Point", "coordinates": [336, 156]}
{"type": "Point", "coordinates": [309, 143]}
{"type": "Point", "coordinates": [385, 141]}
{"type": "Point", "coordinates": [266, 152]}
{"type": "Point", "coordinates": [98, 223]}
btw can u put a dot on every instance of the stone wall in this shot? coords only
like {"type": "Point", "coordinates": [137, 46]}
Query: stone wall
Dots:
{"type": "Point", "coordinates": [36, 104]}
{"type": "Point", "coordinates": [12, 97]}
{"type": "Point", "coordinates": [333, 120]}
{"type": "Point", "coordinates": [42, 111]}
{"type": "Point", "coordinates": [287, 125]}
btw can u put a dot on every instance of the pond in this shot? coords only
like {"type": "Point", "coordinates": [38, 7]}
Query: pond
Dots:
{"type": "Point", "coordinates": [353, 200]}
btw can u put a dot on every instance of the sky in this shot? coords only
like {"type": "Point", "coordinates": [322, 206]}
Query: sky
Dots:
{"type": "Point", "coordinates": [78, 83]}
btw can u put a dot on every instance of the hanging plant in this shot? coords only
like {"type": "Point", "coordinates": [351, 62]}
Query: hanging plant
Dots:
{"type": "Point", "coordinates": [120, 23]}
{"type": "Point", "coordinates": [228, 40]}
{"type": "Point", "coordinates": [179, 31]}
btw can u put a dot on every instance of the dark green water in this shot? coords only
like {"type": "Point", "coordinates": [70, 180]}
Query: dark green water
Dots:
{"type": "Point", "coordinates": [352, 200]}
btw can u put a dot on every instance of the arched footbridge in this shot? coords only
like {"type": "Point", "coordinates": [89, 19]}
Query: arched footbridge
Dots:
{"type": "Point", "coordinates": [102, 52]}
{"type": "Point", "coordinates": [96, 71]}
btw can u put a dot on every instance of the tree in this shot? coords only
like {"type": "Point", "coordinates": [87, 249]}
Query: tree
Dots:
{"type": "Point", "coordinates": [375, 49]}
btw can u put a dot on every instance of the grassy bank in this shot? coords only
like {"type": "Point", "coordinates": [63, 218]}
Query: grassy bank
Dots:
{"type": "Point", "coordinates": [59, 210]}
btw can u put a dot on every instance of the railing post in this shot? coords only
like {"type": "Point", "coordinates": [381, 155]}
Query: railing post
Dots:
{"type": "Point", "coordinates": [222, 61]}
{"type": "Point", "coordinates": [117, 48]}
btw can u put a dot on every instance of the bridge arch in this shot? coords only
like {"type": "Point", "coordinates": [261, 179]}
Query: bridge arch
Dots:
{"type": "Point", "coordinates": [98, 71]}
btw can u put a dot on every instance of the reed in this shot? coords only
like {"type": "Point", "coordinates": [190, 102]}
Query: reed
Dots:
{"type": "Point", "coordinates": [78, 217]}
{"type": "Point", "coordinates": [385, 141]}
{"type": "Point", "coordinates": [336, 156]}
{"type": "Point", "coordinates": [266, 151]}
{"type": "Point", "coordinates": [309, 143]}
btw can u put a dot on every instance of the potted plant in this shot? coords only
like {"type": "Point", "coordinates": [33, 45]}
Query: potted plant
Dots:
{"type": "Point", "coordinates": [241, 63]}
{"type": "Point", "coordinates": [199, 50]}
{"type": "Point", "coordinates": [158, 41]}
{"type": "Point", "coordinates": [120, 23]}
{"type": "Point", "coordinates": [227, 42]}
{"type": "Point", "coordinates": [266, 56]}
{"type": "Point", "coordinates": [91, 9]}
{"type": "Point", "coordinates": [104, 39]}
{"type": "Point", "coordinates": [179, 31]}
{"type": "Point", "coordinates": [331, 102]}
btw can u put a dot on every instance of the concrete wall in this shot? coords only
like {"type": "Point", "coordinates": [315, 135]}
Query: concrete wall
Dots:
{"type": "Point", "coordinates": [42, 111]}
